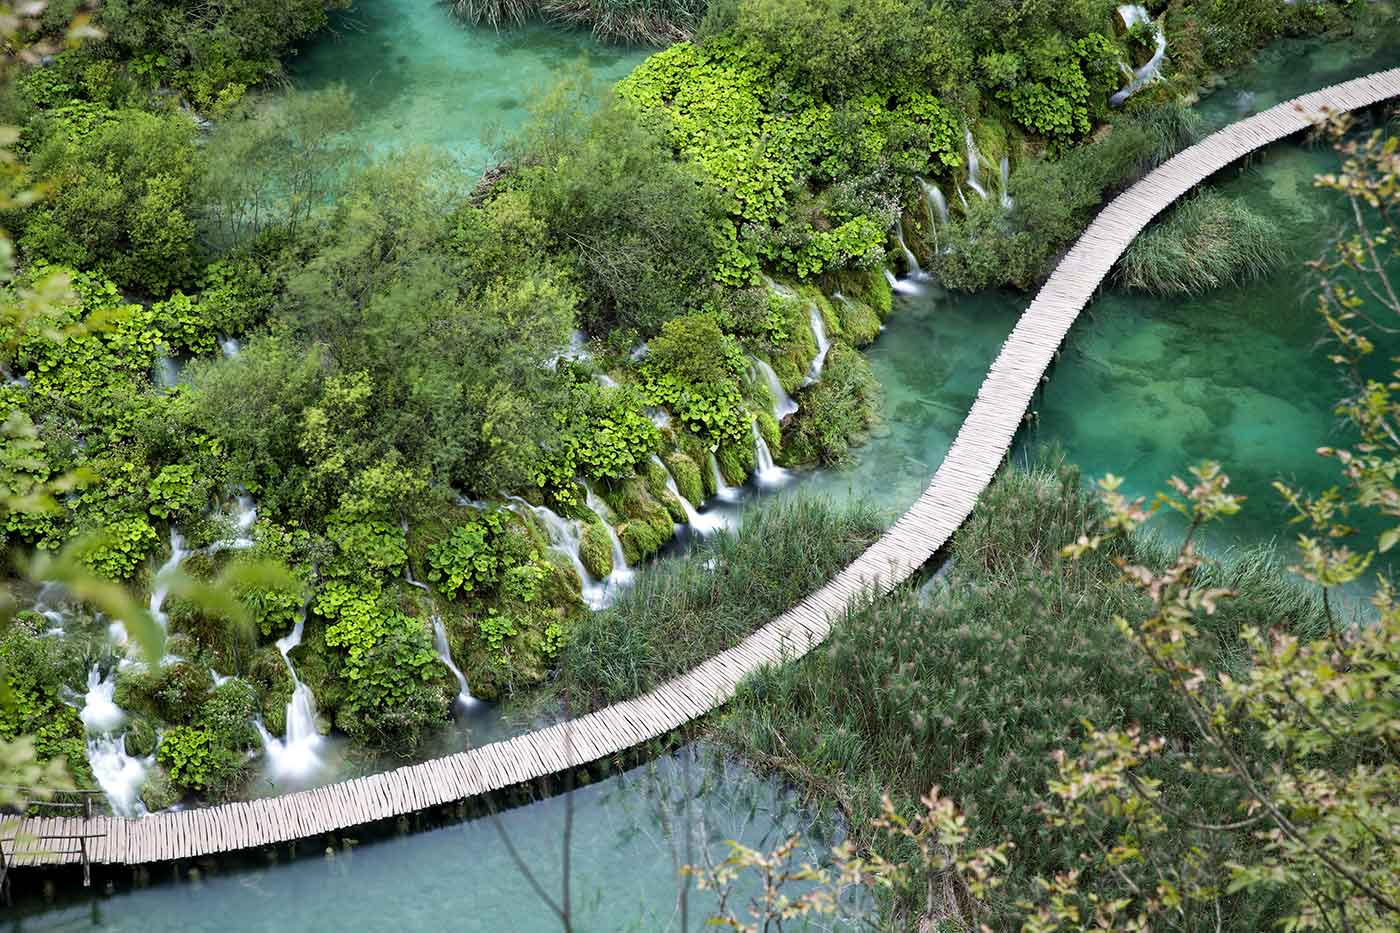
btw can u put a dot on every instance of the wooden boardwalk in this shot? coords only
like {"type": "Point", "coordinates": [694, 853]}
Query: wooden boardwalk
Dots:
{"type": "Point", "coordinates": [974, 458]}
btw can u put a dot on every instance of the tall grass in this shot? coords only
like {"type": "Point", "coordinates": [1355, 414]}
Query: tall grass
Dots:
{"type": "Point", "coordinates": [975, 685]}
{"type": "Point", "coordinates": [1207, 242]}
{"type": "Point", "coordinates": [635, 22]}
{"type": "Point", "coordinates": [687, 609]}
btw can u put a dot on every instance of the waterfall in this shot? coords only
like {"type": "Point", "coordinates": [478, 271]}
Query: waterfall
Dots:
{"type": "Point", "coordinates": [565, 537]}
{"type": "Point", "coordinates": [722, 489]}
{"type": "Point", "coordinates": [783, 405]}
{"type": "Point", "coordinates": [230, 346]}
{"type": "Point", "coordinates": [767, 474]}
{"type": "Point", "coordinates": [167, 372]}
{"type": "Point", "coordinates": [659, 417]}
{"type": "Point", "coordinates": [605, 380]}
{"type": "Point", "coordinates": [444, 650]}
{"type": "Point", "coordinates": [118, 774]}
{"type": "Point", "coordinates": [161, 588]}
{"type": "Point", "coordinates": [935, 202]}
{"type": "Point", "coordinates": [910, 261]}
{"type": "Point", "coordinates": [700, 523]}
{"type": "Point", "coordinates": [814, 372]}
{"type": "Point", "coordinates": [973, 181]}
{"type": "Point", "coordinates": [902, 286]}
{"type": "Point", "coordinates": [1133, 14]}
{"type": "Point", "coordinates": [621, 574]}
{"type": "Point", "coordinates": [1006, 201]}
{"type": "Point", "coordinates": [297, 755]}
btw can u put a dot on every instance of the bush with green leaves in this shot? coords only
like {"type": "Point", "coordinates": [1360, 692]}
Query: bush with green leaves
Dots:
{"type": "Point", "coordinates": [696, 370]}
{"type": "Point", "coordinates": [123, 202]}
{"type": "Point", "coordinates": [37, 671]}
{"type": "Point", "coordinates": [834, 412]}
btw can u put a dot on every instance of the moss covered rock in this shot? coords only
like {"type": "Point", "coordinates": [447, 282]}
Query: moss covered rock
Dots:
{"type": "Point", "coordinates": [140, 739]}
{"type": "Point", "coordinates": [595, 549]}
{"type": "Point", "coordinates": [273, 681]}
{"type": "Point", "coordinates": [643, 537]}
{"type": "Point", "coordinates": [860, 324]}
{"type": "Point", "coordinates": [835, 411]}
{"type": "Point", "coordinates": [736, 462]}
{"type": "Point", "coordinates": [159, 792]}
{"type": "Point", "coordinates": [686, 473]}
{"type": "Point", "coordinates": [173, 693]}
{"type": "Point", "coordinates": [867, 286]}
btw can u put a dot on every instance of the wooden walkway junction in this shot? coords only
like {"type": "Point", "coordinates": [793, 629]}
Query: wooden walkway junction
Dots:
{"type": "Point", "coordinates": [974, 458]}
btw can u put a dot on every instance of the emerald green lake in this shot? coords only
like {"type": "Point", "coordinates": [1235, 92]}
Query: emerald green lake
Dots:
{"type": "Point", "coordinates": [1145, 387]}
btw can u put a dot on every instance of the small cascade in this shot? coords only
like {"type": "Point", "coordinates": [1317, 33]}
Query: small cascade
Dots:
{"type": "Point", "coordinates": [1006, 201]}
{"type": "Point", "coordinates": [444, 650]}
{"type": "Point", "coordinates": [814, 372]}
{"type": "Point", "coordinates": [659, 417]}
{"type": "Point", "coordinates": [100, 712]}
{"type": "Point", "coordinates": [702, 524]}
{"type": "Point", "coordinates": [230, 346]}
{"type": "Point", "coordinates": [605, 380]}
{"type": "Point", "coordinates": [767, 474]}
{"type": "Point", "coordinates": [622, 574]}
{"type": "Point", "coordinates": [1132, 14]}
{"type": "Point", "coordinates": [911, 262]}
{"type": "Point", "coordinates": [566, 538]}
{"type": "Point", "coordinates": [722, 489]}
{"type": "Point", "coordinates": [161, 588]}
{"type": "Point", "coordinates": [464, 693]}
{"type": "Point", "coordinates": [167, 372]}
{"type": "Point", "coordinates": [245, 515]}
{"type": "Point", "coordinates": [935, 202]}
{"type": "Point", "coordinates": [901, 286]}
{"type": "Point", "coordinates": [973, 165]}
{"type": "Point", "coordinates": [297, 755]}
{"type": "Point", "coordinates": [783, 405]}
{"type": "Point", "coordinates": [963, 200]}
{"type": "Point", "coordinates": [118, 774]}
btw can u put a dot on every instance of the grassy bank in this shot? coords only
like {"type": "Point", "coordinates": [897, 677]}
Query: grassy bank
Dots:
{"type": "Point", "coordinates": [687, 609]}
{"type": "Point", "coordinates": [975, 684]}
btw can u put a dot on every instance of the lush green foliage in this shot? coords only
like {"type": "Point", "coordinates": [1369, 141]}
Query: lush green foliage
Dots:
{"type": "Point", "coordinates": [696, 370]}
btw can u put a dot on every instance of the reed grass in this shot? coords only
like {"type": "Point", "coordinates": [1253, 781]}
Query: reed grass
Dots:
{"type": "Point", "coordinates": [1208, 241]}
{"type": "Point", "coordinates": [686, 609]}
{"type": "Point", "coordinates": [633, 22]}
{"type": "Point", "coordinates": [973, 684]}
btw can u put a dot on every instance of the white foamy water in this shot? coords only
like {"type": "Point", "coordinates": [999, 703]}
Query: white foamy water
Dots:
{"type": "Point", "coordinates": [767, 474]}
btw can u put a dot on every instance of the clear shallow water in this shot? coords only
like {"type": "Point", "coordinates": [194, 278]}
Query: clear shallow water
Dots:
{"type": "Point", "coordinates": [630, 835]}
{"type": "Point", "coordinates": [423, 78]}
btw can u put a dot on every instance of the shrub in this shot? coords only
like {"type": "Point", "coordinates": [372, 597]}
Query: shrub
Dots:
{"type": "Point", "coordinates": [834, 412]}
{"type": "Point", "coordinates": [696, 371]}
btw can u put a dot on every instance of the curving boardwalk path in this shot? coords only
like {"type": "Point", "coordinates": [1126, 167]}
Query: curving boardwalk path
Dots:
{"type": "Point", "coordinates": [974, 458]}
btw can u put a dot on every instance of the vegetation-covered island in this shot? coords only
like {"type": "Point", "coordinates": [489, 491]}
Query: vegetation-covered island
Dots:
{"type": "Point", "coordinates": [325, 450]}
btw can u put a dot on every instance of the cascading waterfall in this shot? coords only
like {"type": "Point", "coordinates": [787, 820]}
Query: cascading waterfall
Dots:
{"type": "Point", "coordinates": [161, 587]}
{"type": "Point", "coordinates": [814, 372]}
{"type": "Point", "coordinates": [783, 405]}
{"type": "Point", "coordinates": [766, 473]}
{"type": "Point", "coordinates": [1132, 14]}
{"type": "Point", "coordinates": [911, 262]}
{"type": "Point", "coordinates": [962, 199]}
{"type": "Point", "coordinates": [230, 346]}
{"type": "Point", "coordinates": [167, 372]}
{"type": "Point", "coordinates": [118, 774]}
{"type": "Point", "coordinates": [722, 489]}
{"type": "Point", "coordinates": [444, 650]}
{"type": "Point", "coordinates": [902, 286]}
{"type": "Point", "coordinates": [297, 755]}
{"type": "Point", "coordinates": [700, 523]}
{"type": "Point", "coordinates": [973, 165]}
{"type": "Point", "coordinates": [935, 202]}
{"type": "Point", "coordinates": [605, 380]}
{"type": "Point", "coordinates": [1006, 201]}
{"type": "Point", "coordinates": [622, 574]}
{"type": "Point", "coordinates": [566, 537]}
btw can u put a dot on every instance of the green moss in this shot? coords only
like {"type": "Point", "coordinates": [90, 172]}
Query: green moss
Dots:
{"type": "Point", "coordinates": [867, 286]}
{"type": "Point", "coordinates": [273, 681]}
{"type": "Point", "coordinates": [171, 694]}
{"type": "Point", "coordinates": [736, 462]}
{"type": "Point", "coordinates": [656, 478]}
{"type": "Point", "coordinates": [860, 325]}
{"type": "Point", "coordinates": [159, 792]}
{"type": "Point", "coordinates": [595, 549]}
{"type": "Point", "coordinates": [834, 412]}
{"type": "Point", "coordinates": [688, 477]}
{"type": "Point", "coordinates": [140, 738]}
{"type": "Point", "coordinates": [642, 538]}
{"type": "Point", "coordinates": [772, 431]}
{"type": "Point", "coordinates": [562, 586]}
{"type": "Point", "coordinates": [228, 715]}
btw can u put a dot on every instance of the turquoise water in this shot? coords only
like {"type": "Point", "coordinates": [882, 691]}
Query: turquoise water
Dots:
{"type": "Point", "coordinates": [422, 78]}
{"type": "Point", "coordinates": [630, 835]}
